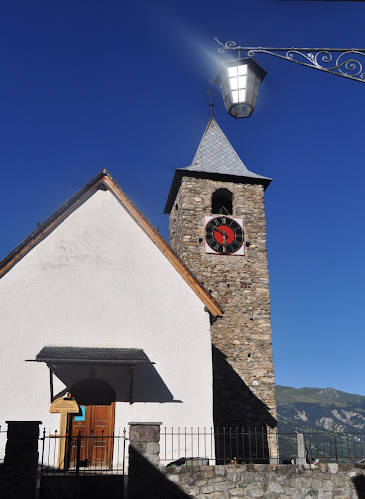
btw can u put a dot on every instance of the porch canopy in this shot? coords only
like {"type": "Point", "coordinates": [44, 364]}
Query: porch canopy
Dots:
{"type": "Point", "coordinates": [56, 357]}
{"type": "Point", "coordinates": [81, 355]}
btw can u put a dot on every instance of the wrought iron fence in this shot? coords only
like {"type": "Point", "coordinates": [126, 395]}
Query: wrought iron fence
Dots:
{"type": "Point", "coordinates": [79, 466]}
{"type": "Point", "coordinates": [335, 446]}
{"type": "Point", "coordinates": [96, 453]}
{"type": "Point", "coordinates": [189, 446]}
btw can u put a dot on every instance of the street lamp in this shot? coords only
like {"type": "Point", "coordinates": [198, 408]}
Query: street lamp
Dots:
{"type": "Point", "coordinates": [239, 79]}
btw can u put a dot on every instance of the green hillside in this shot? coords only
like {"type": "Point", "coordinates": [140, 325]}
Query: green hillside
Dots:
{"type": "Point", "coordinates": [287, 395]}
{"type": "Point", "coordinates": [319, 409]}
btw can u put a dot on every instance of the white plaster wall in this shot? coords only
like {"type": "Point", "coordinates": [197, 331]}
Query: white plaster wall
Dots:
{"type": "Point", "coordinates": [98, 280]}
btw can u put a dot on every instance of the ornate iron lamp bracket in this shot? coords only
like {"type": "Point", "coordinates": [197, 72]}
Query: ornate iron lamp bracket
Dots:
{"type": "Point", "coordinates": [340, 62]}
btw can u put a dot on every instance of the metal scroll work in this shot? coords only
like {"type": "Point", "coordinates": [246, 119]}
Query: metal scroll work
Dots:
{"type": "Point", "coordinates": [340, 62]}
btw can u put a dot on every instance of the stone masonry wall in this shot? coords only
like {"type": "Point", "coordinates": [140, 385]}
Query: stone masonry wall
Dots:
{"type": "Point", "coordinates": [144, 457]}
{"type": "Point", "coordinates": [244, 383]}
{"type": "Point", "coordinates": [323, 481]}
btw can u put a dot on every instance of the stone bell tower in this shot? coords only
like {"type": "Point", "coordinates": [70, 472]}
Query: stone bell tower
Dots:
{"type": "Point", "coordinates": [218, 228]}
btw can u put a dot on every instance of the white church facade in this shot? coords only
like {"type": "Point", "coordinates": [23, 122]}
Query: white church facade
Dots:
{"type": "Point", "coordinates": [95, 306]}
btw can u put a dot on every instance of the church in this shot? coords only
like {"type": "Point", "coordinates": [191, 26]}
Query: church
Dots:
{"type": "Point", "coordinates": [98, 309]}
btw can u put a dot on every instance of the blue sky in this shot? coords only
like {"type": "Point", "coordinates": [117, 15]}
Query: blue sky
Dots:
{"type": "Point", "coordinates": [89, 84]}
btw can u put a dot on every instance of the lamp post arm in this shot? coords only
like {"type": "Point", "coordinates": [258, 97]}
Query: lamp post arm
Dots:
{"type": "Point", "coordinates": [340, 62]}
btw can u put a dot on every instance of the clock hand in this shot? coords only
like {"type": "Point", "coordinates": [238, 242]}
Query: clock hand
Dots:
{"type": "Point", "coordinates": [221, 231]}
{"type": "Point", "coordinates": [224, 234]}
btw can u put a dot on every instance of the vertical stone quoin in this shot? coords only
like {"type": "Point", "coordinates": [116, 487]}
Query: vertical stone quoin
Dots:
{"type": "Point", "coordinates": [244, 383]}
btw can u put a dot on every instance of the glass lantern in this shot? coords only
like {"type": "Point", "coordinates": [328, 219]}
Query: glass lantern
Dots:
{"type": "Point", "coordinates": [239, 81]}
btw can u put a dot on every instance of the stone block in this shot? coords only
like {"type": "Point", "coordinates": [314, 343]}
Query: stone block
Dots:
{"type": "Point", "coordinates": [236, 493]}
{"type": "Point", "coordinates": [323, 467]}
{"type": "Point", "coordinates": [332, 467]}
{"type": "Point", "coordinates": [218, 479]}
{"type": "Point", "coordinates": [324, 495]}
{"type": "Point", "coordinates": [192, 491]}
{"type": "Point", "coordinates": [207, 489]}
{"type": "Point", "coordinates": [220, 495]}
{"type": "Point", "coordinates": [200, 475]}
{"type": "Point", "coordinates": [297, 482]}
{"type": "Point", "coordinates": [275, 487]}
{"type": "Point", "coordinates": [283, 468]}
{"type": "Point", "coordinates": [220, 470]}
{"type": "Point", "coordinates": [234, 475]}
{"type": "Point", "coordinates": [144, 433]}
{"type": "Point", "coordinates": [337, 493]}
{"type": "Point", "coordinates": [220, 487]}
{"type": "Point", "coordinates": [311, 494]}
{"type": "Point", "coordinates": [247, 478]}
{"type": "Point", "coordinates": [253, 491]}
{"type": "Point", "coordinates": [280, 478]}
{"type": "Point", "coordinates": [328, 485]}
{"type": "Point", "coordinates": [173, 478]}
{"type": "Point", "coordinates": [297, 494]}
{"type": "Point", "coordinates": [345, 466]}
{"type": "Point", "coordinates": [339, 481]}
{"type": "Point", "coordinates": [153, 448]}
{"type": "Point", "coordinates": [187, 480]}
{"type": "Point", "coordinates": [317, 483]}
{"type": "Point", "coordinates": [200, 483]}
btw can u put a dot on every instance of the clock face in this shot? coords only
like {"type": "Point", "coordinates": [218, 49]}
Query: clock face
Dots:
{"type": "Point", "coordinates": [224, 235]}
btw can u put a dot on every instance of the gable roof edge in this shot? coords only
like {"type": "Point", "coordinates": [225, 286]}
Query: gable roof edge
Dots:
{"type": "Point", "coordinates": [104, 177]}
{"type": "Point", "coordinates": [165, 248]}
{"type": "Point", "coordinates": [49, 224]}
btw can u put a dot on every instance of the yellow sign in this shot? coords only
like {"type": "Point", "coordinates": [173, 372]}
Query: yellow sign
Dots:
{"type": "Point", "coordinates": [67, 405]}
{"type": "Point", "coordinates": [64, 406]}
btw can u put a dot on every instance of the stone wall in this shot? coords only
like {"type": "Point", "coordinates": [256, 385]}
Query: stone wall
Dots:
{"type": "Point", "coordinates": [144, 457]}
{"type": "Point", "coordinates": [19, 474]}
{"type": "Point", "coordinates": [332, 481]}
{"type": "Point", "coordinates": [244, 383]}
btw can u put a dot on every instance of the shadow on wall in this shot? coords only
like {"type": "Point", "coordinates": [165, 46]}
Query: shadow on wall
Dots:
{"type": "Point", "coordinates": [88, 487]}
{"type": "Point", "coordinates": [147, 385]}
{"type": "Point", "coordinates": [146, 481]}
{"type": "Point", "coordinates": [234, 404]}
{"type": "Point", "coordinates": [359, 483]}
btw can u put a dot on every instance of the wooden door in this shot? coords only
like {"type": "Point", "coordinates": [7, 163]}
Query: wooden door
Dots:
{"type": "Point", "coordinates": [95, 425]}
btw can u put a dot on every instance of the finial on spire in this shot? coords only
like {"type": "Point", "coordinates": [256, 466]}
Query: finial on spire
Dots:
{"type": "Point", "coordinates": [211, 92]}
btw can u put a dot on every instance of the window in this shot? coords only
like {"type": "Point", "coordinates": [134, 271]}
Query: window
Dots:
{"type": "Point", "coordinates": [222, 202]}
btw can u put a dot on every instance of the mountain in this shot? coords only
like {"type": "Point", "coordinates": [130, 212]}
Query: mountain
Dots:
{"type": "Point", "coordinates": [319, 409]}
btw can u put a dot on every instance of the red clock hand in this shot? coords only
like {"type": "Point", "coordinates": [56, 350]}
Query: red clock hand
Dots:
{"type": "Point", "coordinates": [224, 234]}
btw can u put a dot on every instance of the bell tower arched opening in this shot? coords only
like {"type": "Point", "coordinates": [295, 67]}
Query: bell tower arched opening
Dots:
{"type": "Point", "coordinates": [222, 202]}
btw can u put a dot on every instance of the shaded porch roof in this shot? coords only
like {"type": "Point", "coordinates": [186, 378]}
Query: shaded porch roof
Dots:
{"type": "Point", "coordinates": [85, 355]}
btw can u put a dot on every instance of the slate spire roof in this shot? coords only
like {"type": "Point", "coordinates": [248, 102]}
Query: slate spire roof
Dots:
{"type": "Point", "coordinates": [215, 154]}
{"type": "Point", "coordinates": [215, 158]}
